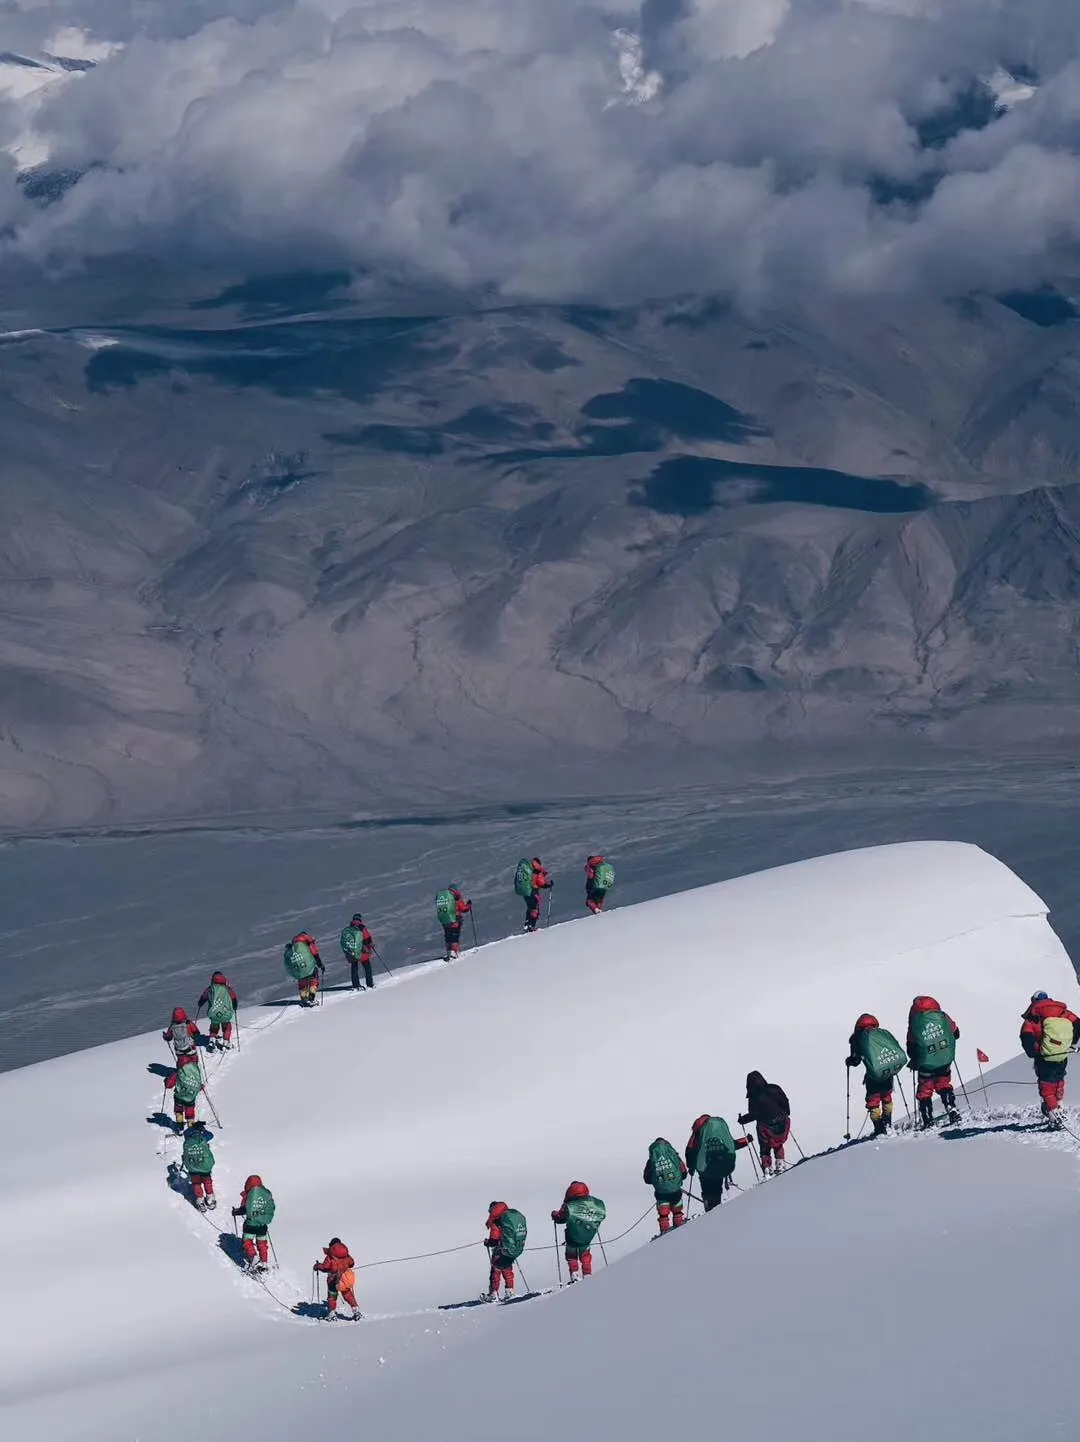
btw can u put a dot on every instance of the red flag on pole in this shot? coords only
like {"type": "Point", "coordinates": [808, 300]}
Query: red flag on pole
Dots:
{"type": "Point", "coordinates": [981, 1054]}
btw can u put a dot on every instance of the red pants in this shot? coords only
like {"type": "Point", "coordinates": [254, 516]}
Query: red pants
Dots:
{"type": "Point", "coordinates": [202, 1184]}
{"type": "Point", "coordinates": [933, 1083]}
{"type": "Point", "coordinates": [671, 1214]}
{"type": "Point", "coordinates": [880, 1102]}
{"type": "Point", "coordinates": [582, 1258]}
{"type": "Point", "coordinates": [501, 1271]}
{"type": "Point", "coordinates": [1052, 1093]}
{"type": "Point", "coordinates": [184, 1112]}
{"type": "Point", "coordinates": [771, 1140]}
{"type": "Point", "coordinates": [251, 1243]}
{"type": "Point", "coordinates": [334, 1291]}
{"type": "Point", "coordinates": [221, 1028]}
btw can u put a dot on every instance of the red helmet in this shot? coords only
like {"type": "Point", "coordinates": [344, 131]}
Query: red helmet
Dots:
{"type": "Point", "coordinates": [252, 1181]}
{"type": "Point", "coordinates": [576, 1189]}
{"type": "Point", "coordinates": [218, 979]}
{"type": "Point", "coordinates": [179, 1014]}
{"type": "Point", "coordinates": [924, 1003]}
{"type": "Point", "coordinates": [497, 1210]}
{"type": "Point", "coordinates": [867, 1022]}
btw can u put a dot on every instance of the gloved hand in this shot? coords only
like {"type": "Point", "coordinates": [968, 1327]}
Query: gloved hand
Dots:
{"type": "Point", "coordinates": [555, 1216]}
{"type": "Point", "coordinates": [851, 1061]}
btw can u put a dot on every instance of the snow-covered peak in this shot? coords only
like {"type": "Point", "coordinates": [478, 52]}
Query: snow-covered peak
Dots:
{"type": "Point", "coordinates": [26, 79]}
{"type": "Point", "coordinates": [390, 1119]}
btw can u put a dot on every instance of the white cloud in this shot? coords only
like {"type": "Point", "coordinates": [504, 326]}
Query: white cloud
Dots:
{"type": "Point", "coordinates": [477, 142]}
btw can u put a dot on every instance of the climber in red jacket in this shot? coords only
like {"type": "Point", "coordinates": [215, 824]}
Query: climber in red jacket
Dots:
{"type": "Point", "coordinates": [502, 1268]}
{"type": "Point", "coordinates": [1046, 1038]}
{"type": "Point", "coordinates": [182, 1034]}
{"type": "Point", "coordinates": [541, 882]}
{"type": "Point", "coordinates": [594, 895]}
{"type": "Point", "coordinates": [452, 929]}
{"type": "Point", "coordinates": [221, 1001]}
{"type": "Point", "coordinates": [340, 1276]}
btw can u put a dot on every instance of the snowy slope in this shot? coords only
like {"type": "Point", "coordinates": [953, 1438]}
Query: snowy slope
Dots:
{"type": "Point", "coordinates": [392, 1119]}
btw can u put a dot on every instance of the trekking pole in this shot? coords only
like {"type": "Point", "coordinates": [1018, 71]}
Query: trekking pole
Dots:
{"type": "Point", "coordinates": [847, 1125]}
{"type": "Point", "coordinates": [603, 1253]}
{"type": "Point", "coordinates": [273, 1251]}
{"type": "Point", "coordinates": [475, 938]}
{"type": "Point", "coordinates": [982, 1081]}
{"type": "Point", "coordinates": [524, 1279]}
{"type": "Point", "coordinates": [210, 1104]}
{"type": "Point", "coordinates": [378, 958]}
{"type": "Point", "coordinates": [551, 898]}
{"type": "Point", "coordinates": [558, 1252]}
{"type": "Point", "coordinates": [164, 1094]}
{"type": "Point", "coordinates": [963, 1088]}
{"type": "Point", "coordinates": [236, 1029]}
{"type": "Point", "coordinates": [795, 1139]}
{"type": "Point", "coordinates": [903, 1096]}
{"type": "Point", "coordinates": [753, 1159]}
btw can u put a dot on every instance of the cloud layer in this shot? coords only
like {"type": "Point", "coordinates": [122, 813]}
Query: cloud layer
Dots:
{"type": "Point", "coordinates": [570, 149]}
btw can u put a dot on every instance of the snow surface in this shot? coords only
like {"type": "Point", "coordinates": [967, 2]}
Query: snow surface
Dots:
{"type": "Point", "coordinates": [393, 1119]}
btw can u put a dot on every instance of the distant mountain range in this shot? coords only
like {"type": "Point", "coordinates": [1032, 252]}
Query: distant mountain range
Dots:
{"type": "Point", "coordinates": [269, 551]}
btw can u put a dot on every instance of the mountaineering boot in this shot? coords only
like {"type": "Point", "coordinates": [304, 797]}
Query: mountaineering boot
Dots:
{"type": "Point", "coordinates": [881, 1126]}
{"type": "Point", "coordinates": [926, 1112]}
{"type": "Point", "coordinates": [211, 1203]}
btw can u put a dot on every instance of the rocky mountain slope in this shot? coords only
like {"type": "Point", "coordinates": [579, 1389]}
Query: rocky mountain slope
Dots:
{"type": "Point", "coordinates": [271, 551]}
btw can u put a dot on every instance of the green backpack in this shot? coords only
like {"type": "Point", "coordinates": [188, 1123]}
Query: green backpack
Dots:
{"type": "Point", "coordinates": [667, 1171]}
{"type": "Point", "coordinates": [523, 878]}
{"type": "Point", "coordinates": [1057, 1038]}
{"type": "Point", "coordinates": [352, 942]}
{"type": "Point", "coordinates": [197, 1156]}
{"type": "Point", "coordinates": [221, 1004]}
{"type": "Point", "coordinates": [717, 1151]}
{"type": "Point", "coordinates": [188, 1083]}
{"type": "Point", "coordinates": [604, 877]}
{"type": "Point", "coordinates": [446, 908]}
{"type": "Point", "coordinates": [299, 962]}
{"type": "Point", "coordinates": [933, 1044]}
{"type": "Point", "coordinates": [259, 1208]}
{"type": "Point", "coordinates": [584, 1218]}
{"type": "Point", "coordinates": [882, 1055]}
{"type": "Point", "coordinates": [514, 1232]}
